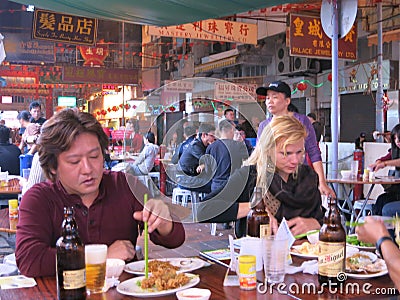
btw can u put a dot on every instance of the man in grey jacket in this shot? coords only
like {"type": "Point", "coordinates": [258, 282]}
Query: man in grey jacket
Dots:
{"type": "Point", "coordinates": [145, 161]}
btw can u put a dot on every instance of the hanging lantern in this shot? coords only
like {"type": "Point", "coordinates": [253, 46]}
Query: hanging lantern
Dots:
{"type": "Point", "coordinates": [98, 113]}
{"type": "Point", "coordinates": [134, 106]}
{"type": "Point", "coordinates": [109, 109]}
{"type": "Point", "coordinates": [172, 108]}
{"type": "Point", "coordinates": [127, 106]}
{"type": "Point", "coordinates": [302, 86]}
{"type": "Point", "coordinates": [114, 108]}
{"type": "Point", "coordinates": [330, 76]}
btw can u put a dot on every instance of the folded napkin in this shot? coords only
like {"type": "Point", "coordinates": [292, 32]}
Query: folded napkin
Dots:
{"type": "Point", "coordinates": [309, 267]}
{"type": "Point", "coordinates": [110, 282]}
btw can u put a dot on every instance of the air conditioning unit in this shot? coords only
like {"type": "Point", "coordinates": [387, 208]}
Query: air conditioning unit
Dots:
{"type": "Point", "coordinates": [282, 59]}
{"type": "Point", "coordinates": [300, 64]}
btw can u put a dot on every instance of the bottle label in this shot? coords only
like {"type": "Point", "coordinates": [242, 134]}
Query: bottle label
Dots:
{"type": "Point", "coordinates": [265, 230]}
{"type": "Point", "coordinates": [331, 258]}
{"type": "Point", "coordinates": [74, 279]}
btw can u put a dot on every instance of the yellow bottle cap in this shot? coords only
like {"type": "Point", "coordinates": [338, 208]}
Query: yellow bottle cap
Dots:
{"type": "Point", "coordinates": [247, 259]}
{"type": "Point", "coordinates": [13, 203]}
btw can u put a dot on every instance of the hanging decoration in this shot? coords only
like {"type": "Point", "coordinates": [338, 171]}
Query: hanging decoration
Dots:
{"type": "Point", "coordinates": [303, 85]}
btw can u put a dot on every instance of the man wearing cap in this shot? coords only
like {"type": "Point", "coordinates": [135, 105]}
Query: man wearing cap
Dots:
{"type": "Point", "coordinates": [278, 96]}
{"type": "Point", "coordinates": [360, 141]}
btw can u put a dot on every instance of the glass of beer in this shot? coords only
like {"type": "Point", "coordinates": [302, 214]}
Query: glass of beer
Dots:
{"type": "Point", "coordinates": [95, 259]}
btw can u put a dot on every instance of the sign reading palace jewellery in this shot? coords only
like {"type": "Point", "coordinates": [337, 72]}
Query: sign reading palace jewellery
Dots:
{"type": "Point", "coordinates": [99, 75]}
{"type": "Point", "coordinates": [212, 30]}
{"type": "Point", "coordinates": [308, 39]}
{"type": "Point", "coordinates": [48, 25]}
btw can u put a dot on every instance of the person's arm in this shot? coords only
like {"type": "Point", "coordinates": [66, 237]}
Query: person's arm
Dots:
{"type": "Point", "coordinates": [373, 230]}
{"type": "Point", "coordinates": [323, 186]}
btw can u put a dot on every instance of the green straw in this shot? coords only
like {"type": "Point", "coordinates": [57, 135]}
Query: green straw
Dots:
{"type": "Point", "coordinates": [146, 243]}
{"type": "Point", "coordinates": [299, 236]}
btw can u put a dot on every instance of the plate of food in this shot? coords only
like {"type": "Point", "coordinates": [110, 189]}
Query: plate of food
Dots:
{"type": "Point", "coordinates": [352, 240]}
{"type": "Point", "coordinates": [180, 265]}
{"type": "Point", "coordinates": [364, 264]}
{"type": "Point", "coordinates": [307, 250]}
{"type": "Point", "coordinates": [170, 283]}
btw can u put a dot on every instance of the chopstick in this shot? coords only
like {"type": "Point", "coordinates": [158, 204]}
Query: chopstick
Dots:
{"type": "Point", "coordinates": [352, 224]}
{"type": "Point", "coordinates": [146, 243]}
{"type": "Point", "coordinates": [299, 236]}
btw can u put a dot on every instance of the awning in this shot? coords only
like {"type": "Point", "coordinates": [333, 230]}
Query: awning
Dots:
{"type": "Point", "coordinates": [388, 36]}
{"type": "Point", "coordinates": [222, 63]}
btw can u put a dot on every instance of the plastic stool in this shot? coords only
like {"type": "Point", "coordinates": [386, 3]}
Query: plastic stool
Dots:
{"type": "Point", "coordinates": [155, 176]}
{"type": "Point", "coordinates": [148, 182]}
{"type": "Point", "coordinates": [182, 197]}
{"type": "Point", "coordinates": [367, 209]}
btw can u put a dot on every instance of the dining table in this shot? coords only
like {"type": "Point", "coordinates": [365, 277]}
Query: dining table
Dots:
{"type": "Point", "coordinates": [348, 185]}
{"type": "Point", "coordinates": [295, 286]}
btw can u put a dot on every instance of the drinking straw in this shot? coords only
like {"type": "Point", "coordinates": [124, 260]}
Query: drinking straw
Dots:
{"type": "Point", "coordinates": [146, 243]}
{"type": "Point", "coordinates": [299, 236]}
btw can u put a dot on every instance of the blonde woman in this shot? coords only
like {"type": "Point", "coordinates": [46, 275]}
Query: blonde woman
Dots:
{"type": "Point", "coordinates": [276, 165]}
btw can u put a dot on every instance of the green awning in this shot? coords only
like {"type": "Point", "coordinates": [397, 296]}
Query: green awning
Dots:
{"type": "Point", "coordinates": [153, 12]}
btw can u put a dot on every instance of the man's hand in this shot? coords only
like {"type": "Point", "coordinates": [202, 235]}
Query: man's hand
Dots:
{"type": "Point", "coordinates": [157, 215]}
{"type": "Point", "coordinates": [372, 230]}
{"type": "Point", "coordinates": [301, 225]}
{"type": "Point", "coordinates": [200, 168]}
{"type": "Point", "coordinates": [326, 190]}
{"type": "Point", "coordinates": [122, 249]}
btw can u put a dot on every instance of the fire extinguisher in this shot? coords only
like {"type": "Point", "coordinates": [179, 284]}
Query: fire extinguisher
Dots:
{"type": "Point", "coordinates": [358, 155]}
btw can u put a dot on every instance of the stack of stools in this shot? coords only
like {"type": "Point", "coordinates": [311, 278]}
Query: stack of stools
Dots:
{"type": "Point", "coordinates": [182, 197]}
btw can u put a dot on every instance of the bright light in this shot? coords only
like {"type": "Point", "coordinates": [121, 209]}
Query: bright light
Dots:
{"type": "Point", "coordinates": [30, 8]}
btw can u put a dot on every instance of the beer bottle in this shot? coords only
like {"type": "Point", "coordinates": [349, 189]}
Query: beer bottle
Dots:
{"type": "Point", "coordinates": [70, 262]}
{"type": "Point", "coordinates": [258, 218]}
{"type": "Point", "coordinates": [332, 247]}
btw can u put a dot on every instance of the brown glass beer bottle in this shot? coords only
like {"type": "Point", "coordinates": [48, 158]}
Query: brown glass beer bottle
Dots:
{"type": "Point", "coordinates": [258, 224]}
{"type": "Point", "coordinates": [70, 267]}
{"type": "Point", "coordinates": [332, 247]}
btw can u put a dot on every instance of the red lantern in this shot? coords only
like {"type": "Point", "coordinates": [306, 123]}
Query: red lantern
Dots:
{"type": "Point", "coordinates": [114, 108]}
{"type": "Point", "coordinates": [109, 109]}
{"type": "Point", "coordinates": [302, 86]}
{"type": "Point", "coordinates": [172, 108]}
{"type": "Point", "coordinates": [134, 106]}
{"type": "Point", "coordinates": [330, 77]}
{"type": "Point", "coordinates": [98, 113]}
{"type": "Point", "coordinates": [127, 106]}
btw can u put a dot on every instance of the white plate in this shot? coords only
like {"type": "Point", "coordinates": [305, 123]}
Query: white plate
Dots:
{"type": "Point", "coordinates": [360, 247]}
{"type": "Point", "coordinates": [129, 287]}
{"type": "Point", "coordinates": [184, 264]}
{"type": "Point", "coordinates": [366, 276]}
{"type": "Point", "coordinates": [350, 250]}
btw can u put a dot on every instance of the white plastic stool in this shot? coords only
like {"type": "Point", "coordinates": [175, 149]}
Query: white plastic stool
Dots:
{"type": "Point", "coordinates": [155, 175]}
{"type": "Point", "coordinates": [367, 209]}
{"type": "Point", "coordinates": [182, 197]}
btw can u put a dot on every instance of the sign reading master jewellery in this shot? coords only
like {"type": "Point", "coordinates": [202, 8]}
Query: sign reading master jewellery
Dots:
{"type": "Point", "coordinates": [52, 26]}
{"type": "Point", "coordinates": [308, 39]}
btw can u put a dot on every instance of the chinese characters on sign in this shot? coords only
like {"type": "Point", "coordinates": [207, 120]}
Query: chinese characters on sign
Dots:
{"type": "Point", "coordinates": [212, 30]}
{"type": "Point", "coordinates": [100, 75]}
{"type": "Point", "coordinates": [94, 56]}
{"type": "Point", "coordinates": [308, 39]}
{"type": "Point", "coordinates": [236, 92]}
{"type": "Point", "coordinates": [48, 25]}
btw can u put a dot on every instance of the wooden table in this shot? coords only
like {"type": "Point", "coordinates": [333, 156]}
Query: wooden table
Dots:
{"type": "Point", "coordinates": [351, 182]}
{"type": "Point", "coordinates": [212, 278]}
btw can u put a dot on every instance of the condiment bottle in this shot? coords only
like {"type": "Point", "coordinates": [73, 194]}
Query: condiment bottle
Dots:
{"type": "Point", "coordinates": [258, 223]}
{"type": "Point", "coordinates": [332, 246]}
{"type": "Point", "coordinates": [13, 213]}
{"type": "Point", "coordinates": [70, 262]}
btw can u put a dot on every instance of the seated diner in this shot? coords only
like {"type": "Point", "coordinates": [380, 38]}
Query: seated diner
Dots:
{"type": "Point", "coordinates": [276, 166]}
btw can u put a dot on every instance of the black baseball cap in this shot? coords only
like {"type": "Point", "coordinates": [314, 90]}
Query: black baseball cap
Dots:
{"type": "Point", "coordinates": [277, 86]}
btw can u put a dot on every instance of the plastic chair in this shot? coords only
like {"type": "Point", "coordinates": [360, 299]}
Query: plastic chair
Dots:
{"type": "Point", "coordinates": [182, 197]}
{"type": "Point", "coordinates": [366, 211]}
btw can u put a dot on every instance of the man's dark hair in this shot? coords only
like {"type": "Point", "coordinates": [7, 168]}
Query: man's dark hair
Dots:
{"type": "Point", "coordinates": [189, 131]}
{"type": "Point", "coordinates": [312, 116]}
{"type": "Point", "coordinates": [4, 134]}
{"type": "Point", "coordinates": [206, 128]}
{"type": "Point", "coordinates": [228, 110]}
{"type": "Point", "coordinates": [24, 115]}
{"type": "Point", "coordinates": [225, 124]}
{"type": "Point", "coordinates": [150, 137]}
{"type": "Point", "coordinates": [34, 104]}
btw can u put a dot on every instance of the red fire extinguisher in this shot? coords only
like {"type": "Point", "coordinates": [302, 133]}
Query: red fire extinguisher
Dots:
{"type": "Point", "coordinates": [358, 155]}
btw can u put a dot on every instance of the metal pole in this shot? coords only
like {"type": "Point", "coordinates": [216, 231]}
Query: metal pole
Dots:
{"type": "Point", "coordinates": [335, 89]}
{"type": "Point", "coordinates": [123, 67]}
{"type": "Point", "coordinates": [379, 91]}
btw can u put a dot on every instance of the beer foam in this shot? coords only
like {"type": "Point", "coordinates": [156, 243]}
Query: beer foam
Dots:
{"type": "Point", "coordinates": [95, 254]}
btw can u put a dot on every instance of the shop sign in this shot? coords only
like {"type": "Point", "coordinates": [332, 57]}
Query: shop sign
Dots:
{"type": "Point", "coordinates": [236, 92]}
{"type": "Point", "coordinates": [100, 75]}
{"type": "Point", "coordinates": [211, 30]}
{"type": "Point", "coordinates": [308, 39]}
{"type": "Point", "coordinates": [94, 56]}
{"type": "Point", "coordinates": [49, 25]}
{"type": "Point", "coordinates": [180, 86]}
